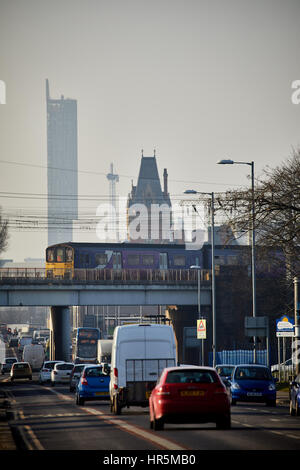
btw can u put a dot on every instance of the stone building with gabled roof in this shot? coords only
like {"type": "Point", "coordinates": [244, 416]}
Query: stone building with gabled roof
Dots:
{"type": "Point", "coordinates": [149, 209]}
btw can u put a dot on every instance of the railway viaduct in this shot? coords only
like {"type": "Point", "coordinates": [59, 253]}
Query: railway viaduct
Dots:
{"type": "Point", "coordinates": [61, 294]}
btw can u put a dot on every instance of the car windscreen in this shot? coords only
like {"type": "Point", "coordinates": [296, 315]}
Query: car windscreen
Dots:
{"type": "Point", "coordinates": [191, 376]}
{"type": "Point", "coordinates": [94, 372]}
{"type": "Point", "coordinates": [252, 373]}
{"type": "Point", "coordinates": [224, 370]}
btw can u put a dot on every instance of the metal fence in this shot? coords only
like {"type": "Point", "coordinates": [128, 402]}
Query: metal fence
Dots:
{"type": "Point", "coordinates": [240, 356]}
{"type": "Point", "coordinates": [168, 276]}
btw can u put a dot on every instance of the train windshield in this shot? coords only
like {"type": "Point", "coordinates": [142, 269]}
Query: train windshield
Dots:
{"type": "Point", "coordinates": [59, 254]}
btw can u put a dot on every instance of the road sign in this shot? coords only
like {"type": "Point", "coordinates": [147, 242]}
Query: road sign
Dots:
{"type": "Point", "coordinates": [256, 326]}
{"type": "Point", "coordinates": [190, 339]}
{"type": "Point", "coordinates": [285, 326]}
{"type": "Point", "coordinates": [201, 329]}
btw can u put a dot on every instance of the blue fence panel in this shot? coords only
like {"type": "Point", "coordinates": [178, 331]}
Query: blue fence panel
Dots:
{"type": "Point", "coordinates": [240, 356]}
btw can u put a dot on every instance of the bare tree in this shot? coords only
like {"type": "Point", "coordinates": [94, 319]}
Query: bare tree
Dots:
{"type": "Point", "coordinates": [277, 212]}
{"type": "Point", "coordinates": [3, 232]}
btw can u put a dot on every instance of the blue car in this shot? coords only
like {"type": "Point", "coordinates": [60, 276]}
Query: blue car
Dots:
{"type": "Point", "coordinates": [253, 383]}
{"type": "Point", "coordinates": [295, 397]}
{"type": "Point", "coordinates": [93, 385]}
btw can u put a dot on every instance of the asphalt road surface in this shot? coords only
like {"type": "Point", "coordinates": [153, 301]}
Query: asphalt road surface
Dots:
{"type": "Point", "coordinates": [47, 418]}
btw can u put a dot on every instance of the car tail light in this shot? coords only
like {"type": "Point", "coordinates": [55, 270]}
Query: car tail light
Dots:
{"type": "Point", "coordinates": [45, 370]}
{"type": "Point", "coordinates": [84, 381]}
{"type": "Point", "coordinates": [219, 390]}
{"type": "Point", "coordinates": [163, 390]}
{"type": "Point", "coordinates": [54, 372]}
{"type": "Point", "coordinates": [116, 378]}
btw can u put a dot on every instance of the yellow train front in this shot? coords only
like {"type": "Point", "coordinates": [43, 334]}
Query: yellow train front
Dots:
{"type": "Point", "coordinates": [60, 261]}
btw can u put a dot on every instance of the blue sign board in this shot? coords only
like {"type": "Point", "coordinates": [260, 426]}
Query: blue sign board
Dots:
{"type": "Point", "coordinates": [285, 326]}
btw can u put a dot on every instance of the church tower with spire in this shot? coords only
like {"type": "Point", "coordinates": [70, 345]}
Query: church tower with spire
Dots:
{"type": "Point", "coordinates": [149, 209]}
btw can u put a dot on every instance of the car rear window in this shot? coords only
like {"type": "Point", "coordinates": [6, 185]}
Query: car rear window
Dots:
{"type": "Point", "coordinates": [64, 367]}
{"type": "Point", "coordinates": [20, 366]}
{"type": "Point", "coordinates": [49, 365]}
{"type": "Point", "coordinates": [250, 373]}
{"type": "Point", "coordinates": [191, 376]}
{"type": "Point", "coordinates": [94, 372]}
{"type": "Point", "coordinates": [10, 361]}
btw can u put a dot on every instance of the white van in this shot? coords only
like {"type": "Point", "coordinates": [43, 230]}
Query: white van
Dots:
{"type": "Point", "coordinates": [139, 354]}
{"type": "Point", "coordinates": [34, 354]}
{"type": "Point", "coordinates": [23, 341]}
{"type": "Point", "coordinates": [104, 350]}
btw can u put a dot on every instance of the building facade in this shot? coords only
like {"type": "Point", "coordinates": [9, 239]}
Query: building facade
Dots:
{"type": "Point", "coordinates": [62, 167]}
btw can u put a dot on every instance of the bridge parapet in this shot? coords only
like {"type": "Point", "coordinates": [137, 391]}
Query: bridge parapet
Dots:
{"type": "Point", "coordinates": [104, 276]}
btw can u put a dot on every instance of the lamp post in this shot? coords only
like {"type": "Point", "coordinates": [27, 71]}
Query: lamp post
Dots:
{"type": "Point", "coordinates": [191, 191]}
{"type": "Point", "coordinates": [199, 309]}
{"type": "Point", "coordinates": [232, 162]}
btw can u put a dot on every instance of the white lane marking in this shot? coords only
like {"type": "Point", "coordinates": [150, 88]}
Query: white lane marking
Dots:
{"type": "Point", "coordinates": [138, 431]}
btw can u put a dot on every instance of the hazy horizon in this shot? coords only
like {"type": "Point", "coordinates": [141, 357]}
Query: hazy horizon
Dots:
{"type": "Point", "coordinates": [195, 80]}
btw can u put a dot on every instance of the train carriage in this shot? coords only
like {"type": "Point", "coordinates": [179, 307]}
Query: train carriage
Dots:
{"type": "Point", "coordinates": [63, 258]}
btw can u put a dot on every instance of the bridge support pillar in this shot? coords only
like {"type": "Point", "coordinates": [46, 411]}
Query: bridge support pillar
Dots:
{"type": "Point", "coordinates": [60, 333]}
{"type": "Point", "coordinates": [186, 316]}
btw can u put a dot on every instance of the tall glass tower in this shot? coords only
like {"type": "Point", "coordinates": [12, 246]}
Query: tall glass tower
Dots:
{"type": "Point", "coordinates": [62, 167]}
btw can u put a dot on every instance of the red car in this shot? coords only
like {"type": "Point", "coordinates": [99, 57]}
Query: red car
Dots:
{"type": "Point", "coordinates": [189, 394]}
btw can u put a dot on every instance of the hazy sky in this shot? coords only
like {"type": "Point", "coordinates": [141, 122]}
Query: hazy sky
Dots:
{"type": "Point", "coordinates": [198, 80]}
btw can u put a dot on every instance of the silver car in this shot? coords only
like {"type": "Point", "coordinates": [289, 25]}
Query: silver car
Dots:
{"type": "Point", "coordinates": [61, 373]}
{"type": "Point", "coordinates": [45, 372]}
{"type": "Point", "coordinates": [75, 375]}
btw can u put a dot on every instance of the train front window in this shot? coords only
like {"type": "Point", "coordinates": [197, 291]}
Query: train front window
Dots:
{"type": "Point", "coordinates": [50, 255]}
{"type": "Point", "coordinates": [69, 254]}
{"type": "Point", "coordinates": [60, 255]}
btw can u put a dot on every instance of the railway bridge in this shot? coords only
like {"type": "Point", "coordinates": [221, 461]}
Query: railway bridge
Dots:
{"type": "Point", "coordinates": [31, 287]}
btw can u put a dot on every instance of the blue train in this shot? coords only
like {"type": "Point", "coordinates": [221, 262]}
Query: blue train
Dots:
{"type": "Point", "coordinates": [63, 258]}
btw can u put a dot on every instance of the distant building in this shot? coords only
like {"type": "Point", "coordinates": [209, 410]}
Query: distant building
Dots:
{"type": "Point", "coordinates": [62, 167]}
{"type": "Point", "coordinates": [149, 209]}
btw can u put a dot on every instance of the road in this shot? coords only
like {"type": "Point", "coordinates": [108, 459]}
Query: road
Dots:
{"type": "Point", "coordinates": [47, 418]}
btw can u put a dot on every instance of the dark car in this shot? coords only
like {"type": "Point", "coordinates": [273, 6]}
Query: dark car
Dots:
{"type": "Point", "coordinates": [189, 395]}
{"type": "Point", "coordinates": [295, 396]}
{"type": "Point", "coordinates": [13, 343]}
{"type": "Point", "coordinates": [6, 367]}
{"type": "Point", "coordinates": [225, 371]}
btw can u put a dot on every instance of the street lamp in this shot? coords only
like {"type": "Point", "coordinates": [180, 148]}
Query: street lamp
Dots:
{"type": "Point", "coordinates": [199, 308]}
{"type": "Point", "coordinates": [192, 191]}
{"type": "Point", "coordinates": [232, 162]}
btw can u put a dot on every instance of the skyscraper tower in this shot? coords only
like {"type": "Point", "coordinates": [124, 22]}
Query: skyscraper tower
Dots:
{"type": "Point", "coordinates": [62, 167]}
{"type": "Point", "coordinates": [113, 179]}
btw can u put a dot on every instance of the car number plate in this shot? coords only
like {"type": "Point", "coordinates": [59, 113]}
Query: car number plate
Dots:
{"type": "Point", "coordinates": [254, 394]}
{"type": "Point", "coordinates": [101, 393]}
{"type": "Point", "coordinates": [148, 393]}
{"type": "Point", "coordinates": [192, 393]}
